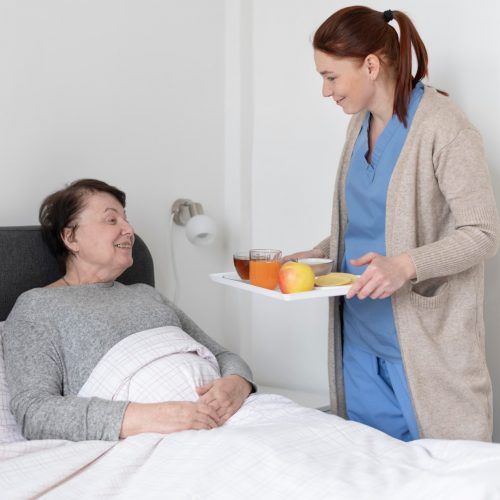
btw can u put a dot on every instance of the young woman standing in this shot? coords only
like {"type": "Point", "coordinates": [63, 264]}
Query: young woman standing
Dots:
{"type": "Point", "coordinates": [414, 215]}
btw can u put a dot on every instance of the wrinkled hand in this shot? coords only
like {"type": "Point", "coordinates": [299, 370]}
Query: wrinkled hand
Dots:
{"type": "Point", "coordinates": [167, 417]}
{"type": "Point", "coordinates": [307, 254]}
{"type": "Point", "coordinates": [184, 415]}
{"type": "Point", "coordinates": [382, 277]}
{"type": "Point", "coordinates": [225, 395]}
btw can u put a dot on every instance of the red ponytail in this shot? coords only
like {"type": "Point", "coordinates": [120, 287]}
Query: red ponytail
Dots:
{"type": "Point", "coordinates": [359, 31]}
{"type": "Point", "coordinates": [405, 82]}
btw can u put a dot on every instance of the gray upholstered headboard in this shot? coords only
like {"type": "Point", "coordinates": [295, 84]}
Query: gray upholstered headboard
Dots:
{"type": "Point", "coordinates": [26, 262]}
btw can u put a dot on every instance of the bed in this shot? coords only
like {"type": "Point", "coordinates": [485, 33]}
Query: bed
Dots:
{"type": "Point", "coordinates": [271, 448]}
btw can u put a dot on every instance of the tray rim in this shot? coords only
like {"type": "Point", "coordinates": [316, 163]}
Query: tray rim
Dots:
{"type": "Point", "coordinates": [231, 278]}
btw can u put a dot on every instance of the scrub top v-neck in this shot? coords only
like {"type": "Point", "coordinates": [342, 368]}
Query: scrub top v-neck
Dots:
{"type": "Point", "coordinates": [369, 324]}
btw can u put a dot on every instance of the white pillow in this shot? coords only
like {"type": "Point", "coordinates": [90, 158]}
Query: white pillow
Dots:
{"type": "Point", "coordinates": [160, 364]}
{"type": "Point", "coordinates": [9, 430]}
{"type": "Point", "coordinates": [171, 378]}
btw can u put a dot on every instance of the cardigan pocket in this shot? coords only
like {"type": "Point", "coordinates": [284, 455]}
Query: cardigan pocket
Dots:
{"type": "Point", "coordinates": [430, 294]}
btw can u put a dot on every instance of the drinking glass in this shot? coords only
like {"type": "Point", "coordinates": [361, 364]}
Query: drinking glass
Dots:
{"type": "Point", "coordinates": [264, 267]}
{"type": "Point", "coordinates": [242, 264]}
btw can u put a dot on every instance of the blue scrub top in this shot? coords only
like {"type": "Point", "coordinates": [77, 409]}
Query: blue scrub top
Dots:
{"type": "Point", "coordinates": [369, 323]}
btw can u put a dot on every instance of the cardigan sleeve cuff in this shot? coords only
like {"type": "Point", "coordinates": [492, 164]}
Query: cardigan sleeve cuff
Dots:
{"type": "Point", "coordinates": [324, 246]}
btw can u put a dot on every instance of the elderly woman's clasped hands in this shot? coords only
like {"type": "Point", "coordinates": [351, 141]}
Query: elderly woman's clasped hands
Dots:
{"type": "Point", "coordinates": [219, 400]}
{"type": "Point", "coordinates": [225, 395]}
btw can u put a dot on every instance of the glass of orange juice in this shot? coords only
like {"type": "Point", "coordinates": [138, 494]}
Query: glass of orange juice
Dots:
{"type": "Point", "coordinates": [264, 267]}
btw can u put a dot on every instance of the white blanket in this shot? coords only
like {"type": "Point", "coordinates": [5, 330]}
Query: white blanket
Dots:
{"type": "Point", "coordinates": [161, 364]}
{"type": "Point", "coordinates": [271, 449]}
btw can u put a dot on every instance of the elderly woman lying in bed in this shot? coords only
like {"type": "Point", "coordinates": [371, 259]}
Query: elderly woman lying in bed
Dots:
{"type": "Point", "coordinates": [56, 337]}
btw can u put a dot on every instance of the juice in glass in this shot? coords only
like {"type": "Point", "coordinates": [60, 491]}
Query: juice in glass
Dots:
{"type": "Point", "coordinates": [264, 268]}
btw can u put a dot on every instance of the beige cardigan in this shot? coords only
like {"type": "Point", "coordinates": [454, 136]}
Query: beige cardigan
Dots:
{"type": "Point", "coordinates": [441, 211]}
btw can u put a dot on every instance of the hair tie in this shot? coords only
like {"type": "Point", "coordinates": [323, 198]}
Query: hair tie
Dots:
{"type": "Point", "coordinates": [388, 16]}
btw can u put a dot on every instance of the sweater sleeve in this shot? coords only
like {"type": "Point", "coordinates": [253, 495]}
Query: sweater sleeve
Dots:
{"type": "Point", "coordinates": [324, 246]}
{"type": "Point", "coordinates": [35, 376]}
{"type": "Point", "coordinates": [463, 178]}
{"type": "Point", "coordinates": [229, 362]}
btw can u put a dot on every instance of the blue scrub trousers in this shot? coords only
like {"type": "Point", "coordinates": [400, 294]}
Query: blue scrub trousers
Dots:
{"type": "Point", "coordinates": [377, 394]}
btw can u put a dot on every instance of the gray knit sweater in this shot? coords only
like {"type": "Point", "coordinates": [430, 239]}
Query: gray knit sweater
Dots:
{"type": "Point", "coordinates": [53, 339]}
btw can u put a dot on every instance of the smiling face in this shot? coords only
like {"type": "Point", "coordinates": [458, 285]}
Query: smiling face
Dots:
{"type": "Point", "coordinates": [102, 241]}
{"type": "Point", "coordinates": [348, 82]}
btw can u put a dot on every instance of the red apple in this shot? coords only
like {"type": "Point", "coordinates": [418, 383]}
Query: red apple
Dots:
{"type": "Point", "coordinates": [295, 277]}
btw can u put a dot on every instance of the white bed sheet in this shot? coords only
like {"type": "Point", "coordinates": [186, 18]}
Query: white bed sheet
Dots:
{"type": "Point", "coordinates": [272, 448]}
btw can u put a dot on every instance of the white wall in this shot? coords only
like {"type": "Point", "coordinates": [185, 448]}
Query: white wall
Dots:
{"type": "Point", "coordinates": [131, 92]}
{"type": "Point", "coordinates": [297, 136]}
{"type": "Point", "coordinates": [219, 102]}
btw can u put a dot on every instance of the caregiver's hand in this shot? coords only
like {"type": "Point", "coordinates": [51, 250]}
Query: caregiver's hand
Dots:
{"type": "Point", "coordinates": [383, 276]}
{"type": "Point", "coordinates": [225, 395]}
{"type": "Point", "coordinates": [167, 417]}
{"type": "Point", "coordinates": [315, 253]}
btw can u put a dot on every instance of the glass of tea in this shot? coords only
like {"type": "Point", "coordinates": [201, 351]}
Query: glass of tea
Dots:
{"type": "Point", "coordinates": [264, 267]}
{"type": "Point", "coordinates": [242, 264]}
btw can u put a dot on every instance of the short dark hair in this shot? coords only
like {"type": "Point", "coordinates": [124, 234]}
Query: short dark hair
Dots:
{"type": "Point", "coordinates": [60, 209]}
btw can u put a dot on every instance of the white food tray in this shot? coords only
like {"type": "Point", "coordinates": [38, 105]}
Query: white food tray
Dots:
{"type": "Point", "coordinates": [232, 279]}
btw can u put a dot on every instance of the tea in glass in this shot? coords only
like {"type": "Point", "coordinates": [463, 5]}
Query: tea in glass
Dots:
{"type": "Point", "coordinates": [264, 268]}
{"type": "Point", "coordinates": [242, 264]}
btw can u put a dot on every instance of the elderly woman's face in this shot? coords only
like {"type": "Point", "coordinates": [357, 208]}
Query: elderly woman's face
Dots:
{"type": "Point", "coordinates": [103, 238]}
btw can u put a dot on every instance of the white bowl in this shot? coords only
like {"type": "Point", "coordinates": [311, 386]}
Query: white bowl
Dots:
{"type": "Point", "coordinates": [319, 266]}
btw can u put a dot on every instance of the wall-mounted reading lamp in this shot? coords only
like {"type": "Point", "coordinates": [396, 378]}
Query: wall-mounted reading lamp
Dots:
{"type": "Point", "coordinates": [200, 228]}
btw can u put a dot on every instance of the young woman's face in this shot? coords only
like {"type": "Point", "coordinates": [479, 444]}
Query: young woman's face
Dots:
{"type": "Point", "coordinates": [347, 81]}
{"type": "Point", "coordinates": [103, 238]}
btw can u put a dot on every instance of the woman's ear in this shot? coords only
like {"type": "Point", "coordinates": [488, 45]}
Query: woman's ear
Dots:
{"type": "Point", "coordinates": [372, 65]}
{"type": "Point", "coordinates": [68, 237]}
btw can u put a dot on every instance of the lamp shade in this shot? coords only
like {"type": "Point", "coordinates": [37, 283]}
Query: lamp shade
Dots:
{"type": "Point", "coordinates": [201, 230]}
